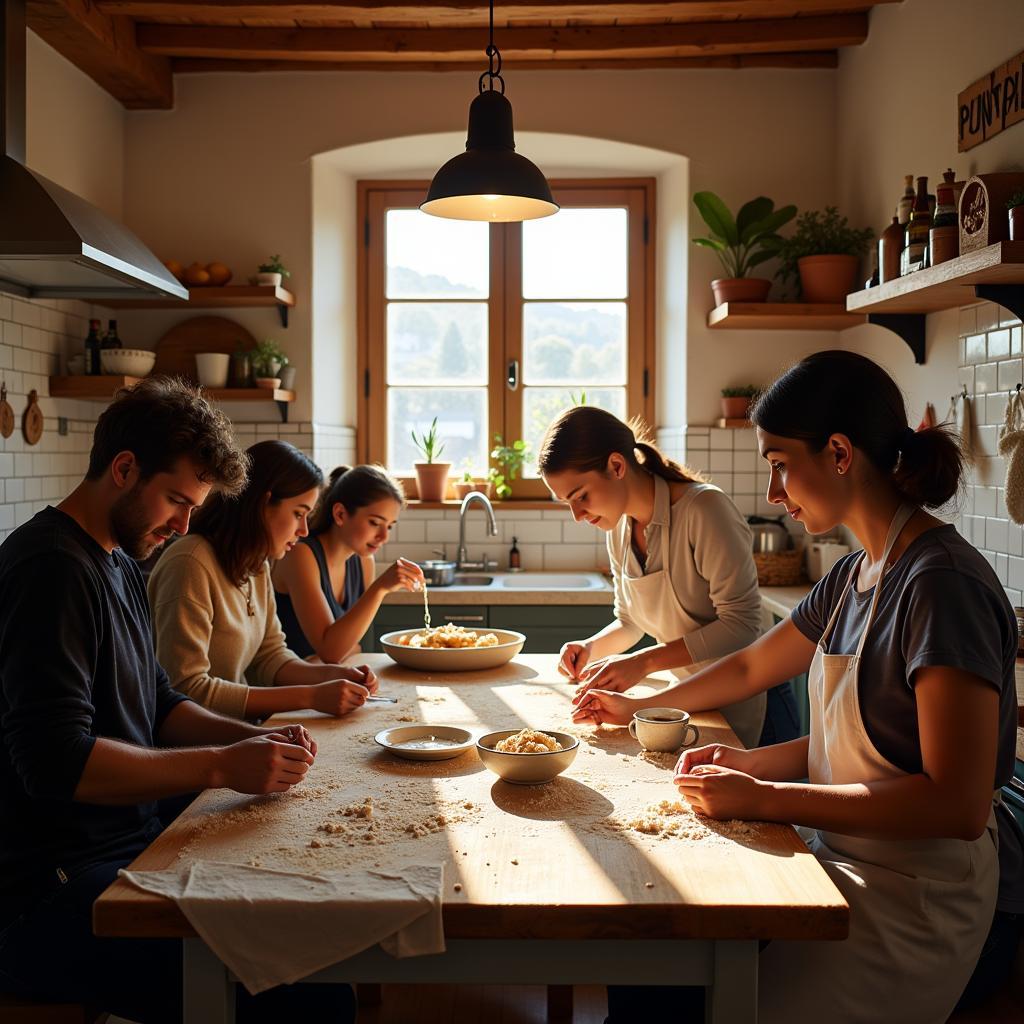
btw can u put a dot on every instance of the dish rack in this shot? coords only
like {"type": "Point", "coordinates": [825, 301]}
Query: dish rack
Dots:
{"type": "Point", "coordinates": [779, 568]}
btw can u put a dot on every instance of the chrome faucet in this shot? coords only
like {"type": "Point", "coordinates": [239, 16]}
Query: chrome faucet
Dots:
{"type": "Point", "coordinates": [461, 562]}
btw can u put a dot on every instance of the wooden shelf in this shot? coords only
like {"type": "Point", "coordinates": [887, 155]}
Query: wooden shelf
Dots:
{"type": "Point", "coordinates": [102, 388]}
{"type": "Point", "coordinates": [782, 316]}
{"type": "Point", "coordinates": [237, 296]}
{"type": "Point", "coordinates": [948, 286]}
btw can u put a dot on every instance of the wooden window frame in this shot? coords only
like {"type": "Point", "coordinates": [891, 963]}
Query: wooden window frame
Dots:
{"type": "Point", "coordinates": [505, 300]}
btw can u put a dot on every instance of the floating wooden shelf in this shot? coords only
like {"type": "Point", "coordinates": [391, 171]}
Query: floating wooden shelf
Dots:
{"type": "Point", "coordinates": [237, 296]}
{"type": "Point", "coordinates": [995, 273]}
{"type": "Point", "coordinates": [102, 388]}
{"type": "Point", "coordinates": [782, 316]}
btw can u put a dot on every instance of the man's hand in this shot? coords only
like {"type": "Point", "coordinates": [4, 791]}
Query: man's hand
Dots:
{"type": "Point", "coordinates": [263, 764]}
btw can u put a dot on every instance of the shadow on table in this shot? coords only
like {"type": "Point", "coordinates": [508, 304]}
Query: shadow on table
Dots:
{"type": "Point", "coordinates": [562, 799]}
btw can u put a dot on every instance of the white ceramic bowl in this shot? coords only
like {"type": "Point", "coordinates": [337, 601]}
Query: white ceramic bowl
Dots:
{"type": "Point", "coordinates": [527, 769]}
{"type": "Point", "coordinates": [127, 362]}
{"type": "Point", "coordinates": [453, 659]}
{"type": "Point", "coordinates": [413, 742]}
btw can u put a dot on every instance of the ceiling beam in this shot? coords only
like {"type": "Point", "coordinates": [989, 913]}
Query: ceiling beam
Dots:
{"type": "Point", "coordinates": [419, 10]}
{"type": "Point", "coordinates": [545, 43]}
{"type": "Point", "coordinates": [104, 48]}
{"type": "Point", "coordinates": [823, 59]}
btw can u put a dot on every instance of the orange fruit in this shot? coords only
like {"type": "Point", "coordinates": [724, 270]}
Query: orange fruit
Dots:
{"type": "Point", "coordinates": [196, 274]}
{"type": "Point", "coordinates": [219, 274]}
{"type": "Point", "coordinates": [175, 268]}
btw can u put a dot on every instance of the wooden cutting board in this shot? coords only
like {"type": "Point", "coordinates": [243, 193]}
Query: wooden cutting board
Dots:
{"type": "Point", "coordinates": [176, 350]}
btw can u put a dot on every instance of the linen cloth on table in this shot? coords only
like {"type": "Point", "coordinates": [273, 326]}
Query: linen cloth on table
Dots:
{"type": "Point", "coordinates": [277, 927]}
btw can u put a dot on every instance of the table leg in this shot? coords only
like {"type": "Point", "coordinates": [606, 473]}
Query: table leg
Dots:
{"type": "Point", "coordinates": [209, 993]}
{"type": "Point", "coordinates": [732, 995]}
{"type": "Point", "coordinates": [559, 1004]}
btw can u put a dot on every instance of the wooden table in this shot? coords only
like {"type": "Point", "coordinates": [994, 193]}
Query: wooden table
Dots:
{"type": "Point", "coordinates": [543, 885]}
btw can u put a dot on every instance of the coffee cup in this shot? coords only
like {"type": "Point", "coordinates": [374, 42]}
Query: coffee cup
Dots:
{"type": "Point", "coordinates": [663, 729]}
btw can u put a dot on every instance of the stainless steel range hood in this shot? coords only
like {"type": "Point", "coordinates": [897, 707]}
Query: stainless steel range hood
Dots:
{"type": "Point", "coordinates": [53, 243]}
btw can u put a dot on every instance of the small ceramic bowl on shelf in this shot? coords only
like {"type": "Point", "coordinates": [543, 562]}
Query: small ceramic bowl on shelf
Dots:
{"type": "Point", "coordinates": [129, 362]}
{"type": "Point", "coordinates": [270, 383]}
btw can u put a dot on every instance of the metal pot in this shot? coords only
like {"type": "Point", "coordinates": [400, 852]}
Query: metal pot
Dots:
{"type": "Point", "coordinates": [769, 535]}
{"type": "Point", "coordinates": [438, 572]}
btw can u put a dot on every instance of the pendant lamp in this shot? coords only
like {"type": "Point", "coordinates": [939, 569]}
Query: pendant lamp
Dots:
{"type": "Point", "coordinates": [490, 181]}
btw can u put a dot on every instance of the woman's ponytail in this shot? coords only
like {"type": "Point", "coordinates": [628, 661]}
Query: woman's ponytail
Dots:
{"type": "Point", "coordinates": [930, 467]}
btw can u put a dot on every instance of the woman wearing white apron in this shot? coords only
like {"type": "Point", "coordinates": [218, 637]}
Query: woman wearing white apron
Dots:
{"type": "Point", "coordinates": [909, 646]}
{"type": "Point", "coordinates": [680, 555]}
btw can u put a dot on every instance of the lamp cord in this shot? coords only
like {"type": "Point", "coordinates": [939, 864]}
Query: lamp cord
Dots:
{"type": "Point", "coordinates": [493, 59]}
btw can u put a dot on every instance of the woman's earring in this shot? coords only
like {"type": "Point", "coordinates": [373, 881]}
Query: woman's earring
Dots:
{"type": "Point", "coordinates": [839, 470]}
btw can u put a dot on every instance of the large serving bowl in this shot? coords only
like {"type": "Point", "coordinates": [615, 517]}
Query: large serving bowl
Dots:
{"type": "Point", "coordinates": [127, 362]}
{"type": "Point", "coordinates": [453, 659]}
{"type": "Point", "coordinates": [527, 769]}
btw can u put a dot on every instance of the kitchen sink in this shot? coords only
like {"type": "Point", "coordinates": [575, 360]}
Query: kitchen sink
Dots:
{"type": "Point", "coordinates": [552, 581]}
{"type": "Point", "coordinates": [467, 580]}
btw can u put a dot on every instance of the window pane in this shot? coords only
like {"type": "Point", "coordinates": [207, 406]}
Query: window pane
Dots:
{"type": "Point", "coordinates": [437, 342]}
{"type": "Point", "coordinates": [461, 424]}
{"type": "Point", "coordinates": [432, 258]}
{"type": "Point", "coordinates": [542, 405]}
{"type": "Point", "coordinates": [574, 343]}
{"type": "Point", "coordinates": [576, 254]}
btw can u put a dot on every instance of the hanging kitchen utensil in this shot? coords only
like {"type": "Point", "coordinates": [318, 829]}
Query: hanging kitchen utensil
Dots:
{"type": "Point", "coordinates": [1011, 447]}
{"type": "Point", "coordinates": [32, 420]}
{"type": "Point", "coordinates": [6, 413]}
{"type": "Point", "coordinates": [959, 416]}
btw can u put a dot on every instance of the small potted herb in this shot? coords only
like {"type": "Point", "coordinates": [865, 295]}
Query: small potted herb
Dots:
{"type": "Point", "coordinates": [741, 243]}
{"type": "Point", "coordinates": [512, 458]}
{"type": "Point", "coordinates": [431, 473]}
{"type": "Point", "coordinates": [266, 360]}
{"type": "Point", "coordinates": [469, 482]}
{"type": "Point", "coordinates": [1015, 206]}
{"type": "Point", "coordinates": [823, 255]}
{"type": "Point", "coordinates": [736, 401]}
{"type": "Point", "coordinates": [272, 272]}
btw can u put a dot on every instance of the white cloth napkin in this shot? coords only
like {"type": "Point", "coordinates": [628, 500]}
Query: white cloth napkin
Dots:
{"type": "Point", "coordinates": [1011, 447]}
{"type": "Point", "coordinates": [276, 927]}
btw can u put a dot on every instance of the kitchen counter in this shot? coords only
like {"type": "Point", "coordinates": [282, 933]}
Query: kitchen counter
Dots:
{"type": "Point", "coordinates": [533, 588]}
{"type": "Point", "coordinates": [782, 600]}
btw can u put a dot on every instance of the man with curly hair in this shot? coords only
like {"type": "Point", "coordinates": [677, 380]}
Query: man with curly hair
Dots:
{"type": "Point", "coordinates": [92, 734]}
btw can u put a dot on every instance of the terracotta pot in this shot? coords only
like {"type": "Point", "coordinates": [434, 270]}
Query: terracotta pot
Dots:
{"type": "Point", "coordinates": [827, 278]}
{"type": "Point", "coordinates": [432, 480]}
{"type": "Point", "coordinates": [735, 408]}
{"type": "Point", "coordinates": [462, 488]}
{"type": "Point", "coordinates": [1016, 223]}
{"type": "Point", "coordinates": [740, 289]}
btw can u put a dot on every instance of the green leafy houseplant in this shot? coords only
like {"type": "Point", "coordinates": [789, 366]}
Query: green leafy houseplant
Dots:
{"type": "Point", "coordinates": [267, 359]}
{"type": "Point", "coordinates": [818, 235]}
{"type": "Point", "coordinates": [512, 457]}
{"type": "Point", "coordinates": [428, 444]}
{"type": "Point", "coordinates": [741, 242]}
{"type": "Point", "coordinates": [744, 391]}
{"type": "Point", "coordinates": [736, 401]}
{"type": "Point", "coordinates": [274, 266]}
{"type": "Point", "coordinates": [1017, 199]}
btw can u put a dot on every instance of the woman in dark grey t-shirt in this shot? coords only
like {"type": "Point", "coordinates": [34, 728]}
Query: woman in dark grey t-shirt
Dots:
{"type": "Point", "coordinates": [909, 648]}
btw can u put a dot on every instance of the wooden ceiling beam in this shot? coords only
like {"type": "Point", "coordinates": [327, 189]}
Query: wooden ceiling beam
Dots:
{"type": "Point", "coordinates": [104, 47]}
{"type": "Point", "coordinates": [812, 59]}
{"type": "Point", "coordinates": [418, 10]}
{"type": "Point", "coordinates": [701, 39]}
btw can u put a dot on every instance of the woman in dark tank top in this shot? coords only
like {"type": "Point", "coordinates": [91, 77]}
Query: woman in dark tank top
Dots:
{"type": "Point", "coordinates": [325, 588]}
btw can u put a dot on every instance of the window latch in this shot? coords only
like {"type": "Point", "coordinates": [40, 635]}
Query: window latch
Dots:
{"type": "Point", "coordinates": [512, 374]}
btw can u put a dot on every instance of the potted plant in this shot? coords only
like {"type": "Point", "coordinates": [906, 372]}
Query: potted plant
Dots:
{"type": "Point", "coordinates": [741, 243]}
{"type": "Point", "coordinates": [468, 483]}
{"type": "Point", "coordinates": [736, 401]}
{"type": "Point", "coordinates": [266, 360]}
{"type": "Point", "coordinates": [431, 474]}
{"type": "Point", "coordinates": [823, 255]}
{"type": "Point", "coordinates": [1015, 206]}
{"type": "Point", "coordinates": [272, 272]}
{"type": "Point", "coordinates": [512, 457]}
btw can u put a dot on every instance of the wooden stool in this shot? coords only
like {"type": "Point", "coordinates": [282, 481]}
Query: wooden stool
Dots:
{"type": "Point", "coordinates": [14, 1010]}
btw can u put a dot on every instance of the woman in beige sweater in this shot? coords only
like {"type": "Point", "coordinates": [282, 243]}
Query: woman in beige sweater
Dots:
{"type": "Point", "coordinates": [680, 553]}
{"type": "Point", "coordinates": [217, 632]}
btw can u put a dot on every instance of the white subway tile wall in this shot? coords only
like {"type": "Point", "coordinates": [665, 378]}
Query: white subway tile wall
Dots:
{"type": "Point", "coordinates": [990, 366]}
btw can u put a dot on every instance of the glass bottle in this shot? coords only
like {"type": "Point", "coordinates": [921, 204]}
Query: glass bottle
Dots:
{"type": "Point", "coordinates": [944, 238]}
{"type": "Point", "coordinates": [915, 246]}
{"type": "Point", "coordinates": [906, 201]}
{"type": "Point", "coordinates": [92, 349]}
{"type": "Point", "coordinates": [110, 339]}
{"type": "Point", "coordinates": [890, 245]}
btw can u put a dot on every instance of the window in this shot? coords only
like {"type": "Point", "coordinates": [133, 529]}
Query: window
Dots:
{"type": "Point", "coordinates": [496, 328]}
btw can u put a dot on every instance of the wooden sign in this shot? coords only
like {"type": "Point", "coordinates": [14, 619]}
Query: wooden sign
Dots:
{"type": "Point", "coordinates": [991, 104]}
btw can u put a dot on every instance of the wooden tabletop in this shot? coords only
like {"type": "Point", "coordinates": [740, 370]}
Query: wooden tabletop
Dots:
{"type": "Point", "coordinates": [560, 861]}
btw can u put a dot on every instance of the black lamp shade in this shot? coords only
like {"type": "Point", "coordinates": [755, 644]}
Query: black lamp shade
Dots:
{"type": "Point", "coordinates": [490, 181]}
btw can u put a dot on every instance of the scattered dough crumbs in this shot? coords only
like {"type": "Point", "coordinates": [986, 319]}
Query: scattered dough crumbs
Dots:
{"type": "Point", "coordinates": [363, 810]}
{"type": "Point", "coordinates": [528, 741]}
{"type": "Point", "coordinates": [677, 819]}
